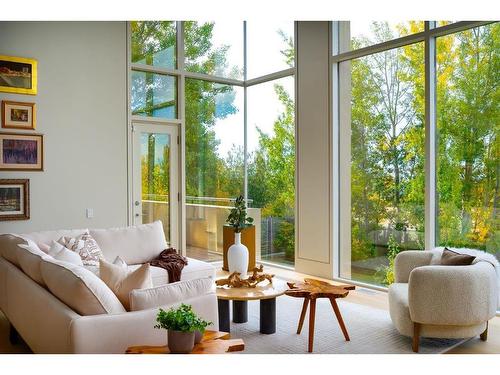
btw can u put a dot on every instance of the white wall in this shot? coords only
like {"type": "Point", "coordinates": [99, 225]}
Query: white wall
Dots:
{"type": "Point", "coordinates": [314, 172]}
{"type": "Point", "coordinates": [82, 112]}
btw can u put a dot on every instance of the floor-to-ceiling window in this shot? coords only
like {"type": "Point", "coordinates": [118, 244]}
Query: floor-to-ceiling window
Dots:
{"type": "Point", "coordinates": [384, 72]}
{"type": "Point", "coordinates": [229, 86]}
{"type": "Point", "coordinates": [468, 126]}
{"type": "Point", "coordinates": [271, 137]}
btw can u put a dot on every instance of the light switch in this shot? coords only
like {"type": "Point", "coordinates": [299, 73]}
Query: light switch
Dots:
{"type": "Point", "coordinates": [90, 213]}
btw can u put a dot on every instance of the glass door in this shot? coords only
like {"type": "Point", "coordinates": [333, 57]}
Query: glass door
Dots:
{"type": "Point", "coordinates": [155, 177]}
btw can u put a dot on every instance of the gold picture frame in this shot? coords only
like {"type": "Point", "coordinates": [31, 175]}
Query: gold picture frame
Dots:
{"type": "Point", "coordinates": [18, 115]}
{"type": "Point", "coordinates": [18, 75]}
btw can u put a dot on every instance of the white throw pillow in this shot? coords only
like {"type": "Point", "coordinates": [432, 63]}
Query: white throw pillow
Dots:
{"type": "Point", "coordinates": [168, 294]}
{"type": "Point", "coordinates": [85, 246]}
{"type": "Point", "coordinates": [122, 282]}
{"type": "Point", "coordinates": [62, 253]}
{"type": "Point", "coordinates": [120, 262]}
{"type": "Point", "coordinates": [79, 288]}
{"type": "Point", "coordinates": [135, 245]}
{"type": "Point", "coordinates": [30, 257]}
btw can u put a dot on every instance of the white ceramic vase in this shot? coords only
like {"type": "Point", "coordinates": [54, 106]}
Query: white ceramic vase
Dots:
{"type": "Point", "coordinates": [237, 257]}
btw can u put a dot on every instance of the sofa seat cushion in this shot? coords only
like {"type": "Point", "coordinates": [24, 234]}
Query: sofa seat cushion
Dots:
{"type": "Point", "coordinates": [135, 245]}
{"type": "Point", "coordinates": [30, 258]}
{"type": "Point", "coordinates": [195, 269]}
{"type": "Point", "coordinates": [79, 288]}
{"type": "Point", "coordinates": [169, 294]}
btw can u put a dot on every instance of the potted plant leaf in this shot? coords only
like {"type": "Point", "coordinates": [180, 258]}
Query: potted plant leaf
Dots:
{"type": "Point", "coordinates": [181, 324]}
{"type": "Point", "coordinates": [237, 254]}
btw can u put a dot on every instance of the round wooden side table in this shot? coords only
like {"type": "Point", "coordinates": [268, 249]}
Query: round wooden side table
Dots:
{"type": "Point", "coordinates": [265, 293]}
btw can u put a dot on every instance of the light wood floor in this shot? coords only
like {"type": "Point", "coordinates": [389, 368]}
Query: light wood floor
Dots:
{"type": "Point", "coordinates": [361, 296]}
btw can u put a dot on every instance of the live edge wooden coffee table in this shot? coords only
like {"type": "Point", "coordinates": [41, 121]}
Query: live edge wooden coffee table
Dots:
{"type": "Point", "coordinates": [265, 293]}
{"type": "Point", "coordinates": [213, 342]}
{"type": "Point", "coordinates": [311, 290]}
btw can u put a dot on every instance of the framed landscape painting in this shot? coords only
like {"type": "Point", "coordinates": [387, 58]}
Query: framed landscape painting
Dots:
{"type": "Point", "coordinates": [18, 75]}
{"type": "Point", "coordinates": [21, 152]}
{"type": "Point", "coordinates": [14, 199]}
{"type": "Point", "coordinates": [18, 115]}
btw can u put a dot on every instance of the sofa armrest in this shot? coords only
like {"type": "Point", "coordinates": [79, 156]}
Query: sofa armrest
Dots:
{"type": "Point", "coordinates": [114, 333]}
{"type": "Point", "coordinates": [453, 295]}
{"type": "Point", "coordinates": [407, 261]}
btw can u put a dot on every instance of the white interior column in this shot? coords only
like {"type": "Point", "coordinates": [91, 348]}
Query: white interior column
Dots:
{"type": "Point", "coordinates": [314, 139]}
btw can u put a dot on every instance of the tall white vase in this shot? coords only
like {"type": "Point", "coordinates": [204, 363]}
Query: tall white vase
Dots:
{"type": "Point", "coordinates": [237, 257]}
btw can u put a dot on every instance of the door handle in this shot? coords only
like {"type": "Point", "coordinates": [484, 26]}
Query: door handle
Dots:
{"type": "Point", "coordinates": [137, 203]}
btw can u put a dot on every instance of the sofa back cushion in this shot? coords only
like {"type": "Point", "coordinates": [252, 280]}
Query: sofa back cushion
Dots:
{"type": "Point", "coordinates": [169, 294]}
{"type": "Point", "coordinates": [30, 258]}
{"type": "Point", "coordinates": [9, 248]}
{"type": "Point", "coordinates": [79, 288]}
{"type": "Point", "coordinates": [46, 237]}
{"type": "Point", "coordinates": [136, 244]}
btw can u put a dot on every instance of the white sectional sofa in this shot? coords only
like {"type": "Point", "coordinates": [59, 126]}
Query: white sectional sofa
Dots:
{"type": "Point", "coordinates": [30, 280]}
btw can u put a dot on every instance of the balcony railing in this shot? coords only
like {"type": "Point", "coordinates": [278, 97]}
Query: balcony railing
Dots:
{"type": "Point", "coordinates": [205, 218]}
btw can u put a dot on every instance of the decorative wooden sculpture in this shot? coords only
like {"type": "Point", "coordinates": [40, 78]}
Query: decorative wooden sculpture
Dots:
{"type": "Point", "coordinates": [235, 281]}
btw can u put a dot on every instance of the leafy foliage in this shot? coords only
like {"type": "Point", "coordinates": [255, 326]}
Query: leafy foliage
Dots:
{"type": "Point", "coordinates": [238, 218]}
{"type": "Point", "coordinates": [181, 319]}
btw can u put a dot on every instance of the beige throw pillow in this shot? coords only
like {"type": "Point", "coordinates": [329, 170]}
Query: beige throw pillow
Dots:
{"type": "Point", "coordinates": [122, 282]}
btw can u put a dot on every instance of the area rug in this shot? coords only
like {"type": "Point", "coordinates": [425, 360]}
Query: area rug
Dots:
{"type": "Point", "coordinates": [370, 329]}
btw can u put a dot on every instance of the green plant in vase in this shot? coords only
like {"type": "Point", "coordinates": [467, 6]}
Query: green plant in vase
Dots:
{"type": "Point", "coordinates": [182, 325]}
{"type": "Point", "coordinates": [237, 254]}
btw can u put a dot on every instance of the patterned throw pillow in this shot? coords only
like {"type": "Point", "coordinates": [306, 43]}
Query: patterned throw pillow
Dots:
{"type": "Point", "coordinates": [85, 246]}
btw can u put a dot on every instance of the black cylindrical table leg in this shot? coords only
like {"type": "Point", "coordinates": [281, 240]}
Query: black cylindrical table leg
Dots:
{"type": "Point", "coordinates": [224, 325]}
{"type": "Point", "coordinates": [268, 315]}
{"type": "Point", "coordinates": [240, 311]}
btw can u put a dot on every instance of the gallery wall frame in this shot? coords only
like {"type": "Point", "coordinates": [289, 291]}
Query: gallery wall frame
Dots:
{"type": "Point", "coordinates": [18, 115]}
{"type": "Point", "coordinates": [14, 199]}
{"type": "Point", "coordinates": [18, 75]}
{"type": "Point", "coordinates": [21, 152]}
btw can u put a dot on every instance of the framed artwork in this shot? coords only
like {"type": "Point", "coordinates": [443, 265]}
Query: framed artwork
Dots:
{"type": "Point", "coordinates": [21, 152]}
{"type": "Point", "coordinates": [18, 75]}
{"type": "Point", "coordinates": [14, 199]}
{"type": "Point", "coordinates": [18, 115]}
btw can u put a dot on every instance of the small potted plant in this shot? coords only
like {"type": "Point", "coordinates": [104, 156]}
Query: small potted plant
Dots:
{"type": "Point", "coordinates": [181, 324]}
{"type": "Point", "coordinates": [201, 325]}
{"type": "Point", "coordinates": [237, 254]}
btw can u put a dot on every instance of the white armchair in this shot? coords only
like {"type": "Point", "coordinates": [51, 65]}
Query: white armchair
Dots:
{"type": "Point", "coordinates": [441, 301]}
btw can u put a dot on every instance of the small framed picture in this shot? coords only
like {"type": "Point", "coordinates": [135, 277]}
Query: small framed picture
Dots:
{"type": "Point", "coordinates": [18, 115]}
{"type": "Point", "coordinates": [21, 152]}
{"type": "Point", "coordinates": [14, 199]}
{"type": "Point", "coordinates": [18, 75]}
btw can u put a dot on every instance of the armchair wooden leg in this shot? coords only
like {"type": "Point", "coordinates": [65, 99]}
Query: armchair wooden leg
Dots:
{"type": "Point", "coordinates": [484, 335]}
{"type": "Point", "coordinates": [416, 336]}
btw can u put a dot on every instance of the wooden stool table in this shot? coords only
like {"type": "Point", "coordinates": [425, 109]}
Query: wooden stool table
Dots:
{"type": "Point", "coordinates": [312, 289]}
{"type": "Point", "coordinates": [213, 342]}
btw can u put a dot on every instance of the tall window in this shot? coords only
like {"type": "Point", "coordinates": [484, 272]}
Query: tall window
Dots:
{"type": "Point", "coordinates": [271, 166]}
{"type": "Point", "coordinates": [203, 89]}
{"type": "Point", "coordinates": [468, 120]}
{"type": "Point", "coordinates": [388, 147]}
{"type": "Point", "coordinates": [387, 160]}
